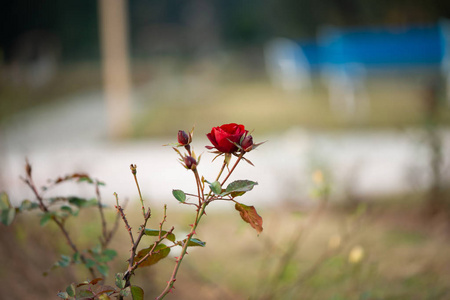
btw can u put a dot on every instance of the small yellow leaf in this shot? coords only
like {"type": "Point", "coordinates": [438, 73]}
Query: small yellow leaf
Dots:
{"type": "Point", "coordinates": [249, 215]}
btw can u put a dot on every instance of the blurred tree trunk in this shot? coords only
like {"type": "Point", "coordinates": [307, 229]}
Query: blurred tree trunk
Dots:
{"type": "Point", "coordinates": [435, 202]}
{"type": "Point", "coordinates": [116, 73]}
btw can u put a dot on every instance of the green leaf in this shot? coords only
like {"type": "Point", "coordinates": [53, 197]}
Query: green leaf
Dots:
{"type": "Point", "coordinates": [89, 263]}
{"type": "Point", "coordinates": [108, 255]}
{"type": "Point", "coordinates": [63, 295]}
{"type": "Point", "coordinates": [195, 243]}
{"type": "Point", "coordinates": [71, 290]}
{"type": "Point", "coordinates": [81, 202]}
{"type": "Point", "coordinates": [84, 294]}
{"type": "Point", "coordinates": [137, 293]}
{"type": "Point", "coordinates": [125, 292]}
{"type": "Point", "coordinates": [161, 251]}
{"type": "Point", "coordinates": [97, 249]}
{"type": "Point", "coordinates": [7, 215]}
{"type": "Point", "coordinates": [28, 205]}
{"type": "Point", "coordinates": [239, 187]}
{"type": "Point", "coordinates": [104, 296]}
{"type": "Point", "coordinates": [45, 218]}
{"type": "Point", "coordinates": [7, 212]}
{"type": "Point", "coordinates": [120, 282]}
{"type": "Point", "coordinates": [76, 257]}
{"type": "Point", "coordinates": [215, 187]}
{"type": "Point", "coordinates": [4, 201]}
{"type": "Point", "coordinates": [64, 261]}
{"type": "Point", "coordinates": [103, 269]}
{"type": "Point", "coordinates": [67, 209]}
{"type": "Point", "coordinates": [249, 215]}
{"type": "Point", "coordinates": [179, 195]}
{"type": "Point", "coordinates": [155, 232]}
{"type": "Point", "coordinates": [85, 178]}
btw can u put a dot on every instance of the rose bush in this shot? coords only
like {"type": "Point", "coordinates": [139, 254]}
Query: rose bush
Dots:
{"type": "Point", "coordinates": [224, 137]}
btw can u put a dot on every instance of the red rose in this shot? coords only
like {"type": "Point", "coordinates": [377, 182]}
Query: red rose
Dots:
{"type": "Point", "coordinates": [223, 137]}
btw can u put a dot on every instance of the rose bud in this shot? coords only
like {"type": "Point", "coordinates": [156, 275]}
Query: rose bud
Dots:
{"type": "Point", "coordinates": [247, 143]}
{"type": "Point", "coordinates": [183, 138]}
{"type": "Point", "coordinates": [190, 162]}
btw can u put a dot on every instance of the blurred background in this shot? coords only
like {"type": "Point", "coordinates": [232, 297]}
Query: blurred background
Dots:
{"type": "Point", "coordinates": [351, 96]}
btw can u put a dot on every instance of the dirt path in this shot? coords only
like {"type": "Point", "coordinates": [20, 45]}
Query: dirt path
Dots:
{"type": "Point", "coordinates": [71, 137]}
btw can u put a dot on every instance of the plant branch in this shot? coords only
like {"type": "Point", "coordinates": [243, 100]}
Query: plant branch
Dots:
{"type": "Point", "coordinates": [104, 238]}
{"type": "Point", "coordinates": [134, 171]}
{"type": "Point", "coordinates": [173, 278]}
{"type": "Point", "coordinates": [221, 170]}
{"type": "Point", "coordinates": [29, 181]}
{"type": "Point", "coordinates": [124, 219]}
{"type": "Point", "coordinates": [234, 167]}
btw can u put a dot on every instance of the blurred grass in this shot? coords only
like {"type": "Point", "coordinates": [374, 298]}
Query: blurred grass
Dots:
{"type": "Point", "coordinates": [171, 94]}
{"type": "Point", "coordinates": [70, 79]}
{"type": "Point", "coordinates": [205, 95]}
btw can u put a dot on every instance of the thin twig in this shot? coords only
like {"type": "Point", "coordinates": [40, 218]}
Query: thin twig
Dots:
{"type": "Point", "coordinates": [125, 221]}
{"type": "Point", "coordinates": [113, 230]}
{"type": "Point", "coordinates": [134, 171]}
{"type": "Point", "coordinates": [104, 237]}
{"type": "Point", "coordinates": [29, 181]}
{"type": "Point", "coordinates": [173, 278]}
{"type": "Point", "coordinates": [151, 252]}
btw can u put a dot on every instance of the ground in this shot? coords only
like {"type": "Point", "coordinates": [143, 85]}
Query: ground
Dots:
{"type": "Point", "coordinates": [403, 255]}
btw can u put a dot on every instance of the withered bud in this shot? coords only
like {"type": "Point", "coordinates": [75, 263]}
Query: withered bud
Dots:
{"type": "Point", "coordinates": [133, 169]}
{"type": "Point", "coordinates": [247, 143]}
{"type": "Point", "coordinates": [190, 162]}
{"type": "Point", "coordinates": [183, 138]}
{"type": "Point", "coordinates": [28, 168]}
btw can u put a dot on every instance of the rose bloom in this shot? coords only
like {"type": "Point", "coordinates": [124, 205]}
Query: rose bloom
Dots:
{"type": "Point", "coordinates": [223, 137]}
